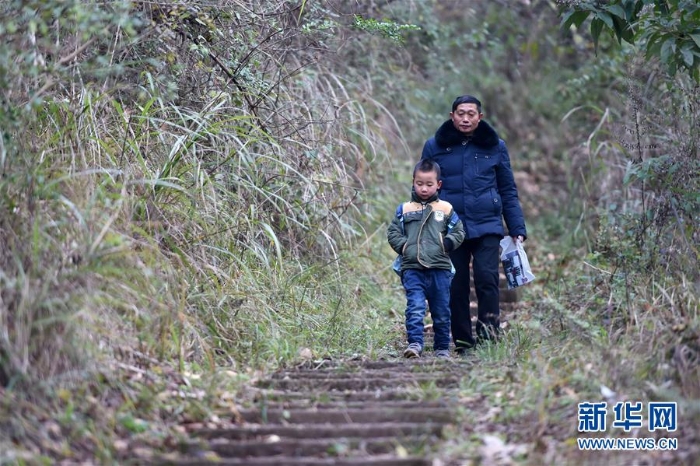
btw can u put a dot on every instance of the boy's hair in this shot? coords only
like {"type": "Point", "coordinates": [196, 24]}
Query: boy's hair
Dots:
{"type": "Point", "coordinates": [466, 99]}
{"type": "Point", "coordinates": [427, 166]}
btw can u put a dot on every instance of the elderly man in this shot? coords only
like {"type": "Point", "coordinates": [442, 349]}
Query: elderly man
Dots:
{"type": "Point", "coordinates": [478, 181]}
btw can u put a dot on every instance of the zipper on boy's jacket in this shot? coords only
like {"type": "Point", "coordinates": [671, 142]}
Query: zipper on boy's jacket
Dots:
{"type": "Point", "coordinates": [420, 232]}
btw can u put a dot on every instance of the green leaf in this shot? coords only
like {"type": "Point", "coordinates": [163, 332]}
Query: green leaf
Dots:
{"type": "Point", "coordinates": [654, 45]}
{"type": "Point", "coordinates": [617, 30]}
{"type": "Point", "coordinates": [596, 29]}
{"type": "Point", "coordinates": [132, 424]}
{"type": "Point", "coordinates": [696, 38]}
{"type": "Point", "coordinates": [667, 50]}
{"type": "Point", "coordinates": [672, 67]}
{"type": "Point", "coordinates": [623, 31]}
{"type": "Point", "coordinates": [607, 19]}
{"type": "Point", "coordinates": [632, 9]}
{"type": "Point", "coordinates": [688, 55]}
{"type": "Point", "coordinates": [574, 17]}
{"type": "Point", "coordinates": [616, 10]}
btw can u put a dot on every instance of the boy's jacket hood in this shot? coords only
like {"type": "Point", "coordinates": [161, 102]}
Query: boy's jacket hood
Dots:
{"type": "Point", "coordinates": [415, 198]}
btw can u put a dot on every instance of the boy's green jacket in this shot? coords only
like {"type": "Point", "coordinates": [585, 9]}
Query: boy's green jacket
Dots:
{"type": "Point", "coordinates": [418, 232]}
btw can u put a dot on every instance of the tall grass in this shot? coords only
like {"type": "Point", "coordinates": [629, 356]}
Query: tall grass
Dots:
{"type": "Point", "coordinates": [206, 210]}
{"type": "Point", "coordinates": [216, 212]}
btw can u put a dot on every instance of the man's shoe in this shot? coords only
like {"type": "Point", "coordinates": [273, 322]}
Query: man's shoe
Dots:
{"type": "Point", "coordinates": [413, 351]}
{"type": "Point", "coordinates": [442, 354]}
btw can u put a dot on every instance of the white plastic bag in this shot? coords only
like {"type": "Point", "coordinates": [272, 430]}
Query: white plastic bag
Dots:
{"type": "Point", "coordinates": [515, 263]}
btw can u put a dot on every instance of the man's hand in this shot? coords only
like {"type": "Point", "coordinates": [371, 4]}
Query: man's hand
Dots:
{"type": "Point", "coordinates": [518, 238]}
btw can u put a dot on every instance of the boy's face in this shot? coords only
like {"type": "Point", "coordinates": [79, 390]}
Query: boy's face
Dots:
{"type": "Point", "coordinates": [466, 118]}
{"type": "Point", "coordinates": [426, 184]}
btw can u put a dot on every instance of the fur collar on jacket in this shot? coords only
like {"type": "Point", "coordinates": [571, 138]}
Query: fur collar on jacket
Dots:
{"type": "Point", "coordinates": [484, 135]}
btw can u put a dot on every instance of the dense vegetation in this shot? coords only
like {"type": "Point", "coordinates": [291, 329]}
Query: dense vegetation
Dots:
{"type": "Point", "coordinates": [192, 193]}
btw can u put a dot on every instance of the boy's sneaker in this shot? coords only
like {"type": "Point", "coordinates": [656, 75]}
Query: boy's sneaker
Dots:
{"type": "Point", "coordinates": [413, 351]}
{"type": "Point", "coordinates": [442, 354]}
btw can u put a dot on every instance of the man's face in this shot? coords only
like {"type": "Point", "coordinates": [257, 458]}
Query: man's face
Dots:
{"type": "Point", "coordinates": [426, 184]}
{"type": "Point", "coordinates": [466, 118]}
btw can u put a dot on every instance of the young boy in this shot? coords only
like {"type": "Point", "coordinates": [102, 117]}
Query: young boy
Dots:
{"type": "Point", "coordinates": [423, 233]}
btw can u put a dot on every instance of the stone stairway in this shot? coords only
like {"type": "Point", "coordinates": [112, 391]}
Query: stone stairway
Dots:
{"type": "Point", "coordinates": [390, 413]}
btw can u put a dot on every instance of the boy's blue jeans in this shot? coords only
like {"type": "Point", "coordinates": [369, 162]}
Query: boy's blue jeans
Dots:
{"type": "Point", "coordinates": [433, 285]}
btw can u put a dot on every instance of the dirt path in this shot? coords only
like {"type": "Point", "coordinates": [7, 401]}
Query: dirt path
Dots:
{"type": "Point", "coordinates": [389, 413]}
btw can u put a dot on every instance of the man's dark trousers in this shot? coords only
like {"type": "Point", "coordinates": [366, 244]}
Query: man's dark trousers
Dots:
{"type": "Point", "coordinates": [485, 254]}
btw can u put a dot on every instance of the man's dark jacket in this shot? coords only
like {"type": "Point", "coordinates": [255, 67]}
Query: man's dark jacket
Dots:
{"type": "Point", "coordinates": [477, 179]}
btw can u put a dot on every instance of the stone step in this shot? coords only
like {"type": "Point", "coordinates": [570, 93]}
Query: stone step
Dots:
{"type": "Point", "coordinates": [379, 460]}
{"type": "Point", "coordinates": [363, 396]}
{"type": "Point", "coordinates": [390, 412]}
{"type": "Point", "coordinates": [395, 364]}
{"type": "Point", "coordinates": [347, 416]}
{"type": "Point", "coordinates": [317, 431]}
{"type": "Point", "coordinates": [367, 445]}
{"type": "Point", "coordinates": [337, 375]}
{"type": "Point", "coordinates": [338, 404]}
{"type": "Point", "coordinates": [357, 384]}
